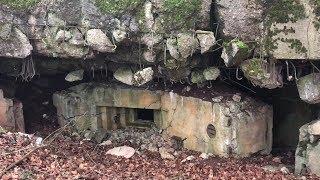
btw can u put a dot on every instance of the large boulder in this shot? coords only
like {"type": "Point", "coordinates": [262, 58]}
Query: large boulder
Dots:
{"type": "Point", "coordinates": [240, 19]}
{"type": "Point", "coordinates": [308, 150]}
{"type": "Point", "coordinates": [309, 88]}
{"type": "Point", "coordinates": [99, 41]}
{"type": "Point", "coordinates": [283, 29]}
{"type": "Point", "coordinates": [126, 76]}
{"type": "Point", "coordinates": [13, 42]}
{"type": "Point", "coordinates": [292, 29]}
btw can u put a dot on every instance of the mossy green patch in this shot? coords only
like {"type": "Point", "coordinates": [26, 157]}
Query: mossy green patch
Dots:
{"type": "Point", "coordinates": [316, 10]}
{"type": "Point", "coordinates": [20, 4]}
{"type": "Point", "coordinates": [241, 45]}
{"type": "Point", "coordinates": [118, 7]}
{"type": "Point", "coordinates": [254, 68]}
{"type": "Point", "coordinates": [180, 14]}
{"type": "Point", "coordinates": [296, 45]}
{"type": "Point", "coordinates": [282, 11]}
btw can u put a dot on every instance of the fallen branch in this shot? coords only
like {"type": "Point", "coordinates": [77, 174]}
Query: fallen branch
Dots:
{"type": "Point", "coordinates": [20, 160]}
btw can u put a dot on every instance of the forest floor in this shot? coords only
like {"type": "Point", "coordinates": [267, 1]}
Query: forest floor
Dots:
{"type": "Point", "coordinates": [75, 158]}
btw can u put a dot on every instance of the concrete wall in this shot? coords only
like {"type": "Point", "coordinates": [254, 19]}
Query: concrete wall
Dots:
{"type": "Point", "coordinates": [242, 126]}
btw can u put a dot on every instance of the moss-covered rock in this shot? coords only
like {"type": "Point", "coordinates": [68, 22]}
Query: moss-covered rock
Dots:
{"type": "Point", "coordinates": [286, 37]}
{"type": "Point", "coordinates": [309, 88]}
{"type": "Point", "coordinates": [180, 14]}
{"type": "Point", "coordinates": [234, 52]}
{"type": "Point", "coordinates": [260, 73]}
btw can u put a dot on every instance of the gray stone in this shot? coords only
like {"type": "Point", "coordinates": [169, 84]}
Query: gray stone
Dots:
{"type": "Point", "coordinates": [77, 38]}
{"type": "Point", "coordinates": [309, 88]}
{"type": "Point", "coordinates": [63, 35]}
{"type": "Point", "coordinates": [308, 149]}
{"type": "Point", "coordinates": [151, 39]}
{"type": "Point", "coordinates": [106, 143]}
{"type": "Point", "coordinates": [314, 128]}
{"type": "Point", "coordinates": [187, 44]}
{"type": "Point", "coordinates": [235, 52]}
{"type": "Point", "coordinates": [217, 99]}
{"type": "Point", "coordinates": [293, 36]}
{"type": "Point", "coordinates": [165, 154]}
{"type": "Point", "coordinates": [204, 155]}
{"type": "Point", "coordinates": [240, 19]}
{"type": "Point", "coordinates": [189, 158]}
{"type": "Point", "coordinates": [75, 76]}
{"type": "Point", "coordinates": [5, 31]}
{"type": "Point", "coordinates": [236, 97]}
{"type": "Point", "coordinates": [99, 41]}
{"type": "Point", "coordinates": [123, 151]}
{"type": "Point", "coordinates": [206, 40]}
{"type": "Point", "coordinates": [18, 46]}
{"type": "Point", "coordinates": [260, 73]}
{"type": "Point", "coordinates": [124, 75]}
{"type": "Point", "coordinates": [173, 48]}
{"type": "Point", "coordinates": [270, 168]}
{"type": "Point", "coordinates": [142, 77]}
{"type": "Point", "coordinates": [149, 56]}
{"type": "Point", "coordinates": [119, 35]}
{"type": "Point", "coordinates": [211, 73]}
{"type": "Point", "coordinates": [197, 77]}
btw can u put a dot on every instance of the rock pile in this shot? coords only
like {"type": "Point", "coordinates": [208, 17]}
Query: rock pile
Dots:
{"type": "Point", "coordinates": [308, 150]}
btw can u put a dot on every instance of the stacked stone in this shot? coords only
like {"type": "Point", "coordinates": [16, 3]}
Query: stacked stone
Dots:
{"type": "Point", "coordinates": [11, 114]}
{"type": "Point", "coordinates": [308, 150]}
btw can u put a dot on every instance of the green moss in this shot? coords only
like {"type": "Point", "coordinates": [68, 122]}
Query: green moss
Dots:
{"type": "Point", "coordinates": [20, 4]}
{"type": "Point", "coordinates": [241, 45]}
{"type": "Point", "coordinates": [316, 10]}
{"type": "Point", "coordinates": [117, 7]}
{"type": "Point", "coordinates": [254, 68]}
{"type": "Point", "coordinates": [180, 14]}
{"type": "Point", "coordinates": [282, 11]}
{"type": "Point", "coordinates": [296, 45]}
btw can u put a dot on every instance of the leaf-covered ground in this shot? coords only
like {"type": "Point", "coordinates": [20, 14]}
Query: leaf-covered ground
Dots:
{"type": "Point", "coordinates": [73, 158]}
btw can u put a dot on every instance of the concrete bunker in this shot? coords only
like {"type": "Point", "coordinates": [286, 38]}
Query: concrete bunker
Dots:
{"type": "Point", "coordinates": [237, 127]}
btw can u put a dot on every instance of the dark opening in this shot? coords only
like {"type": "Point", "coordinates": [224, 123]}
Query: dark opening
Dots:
{"type": "Point", "coordinates": [145, 115]}
{"type": "Point", "coordinates": [211, 131]}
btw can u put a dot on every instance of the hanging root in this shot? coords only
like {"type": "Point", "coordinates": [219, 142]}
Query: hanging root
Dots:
{"type": "Point", "coordinates": [27, 70]}
{"type": "Point", "coordinates": [237, 75]}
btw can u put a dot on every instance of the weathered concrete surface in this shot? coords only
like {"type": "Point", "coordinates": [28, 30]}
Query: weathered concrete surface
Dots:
{"type": "Point", "coordinates": [11, 114]}
{"type": "Point", "coordinates": [309, 88]}
{"type": "Point", "coordinates": [239, 127]}
{"type": "Point", "coordinates": [308, 150]}
{"type": "Point", "coordinates": [283, 29]}
{"type": "Point", "coordinates": [294, 33]}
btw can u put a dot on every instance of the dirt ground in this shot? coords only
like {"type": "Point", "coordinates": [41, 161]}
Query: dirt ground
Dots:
{"type": "Point", "coordinates": [74, 158]}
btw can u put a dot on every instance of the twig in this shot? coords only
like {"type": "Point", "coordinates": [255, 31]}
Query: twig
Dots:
{"type": "Point", "coordinates": [20, 160]}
